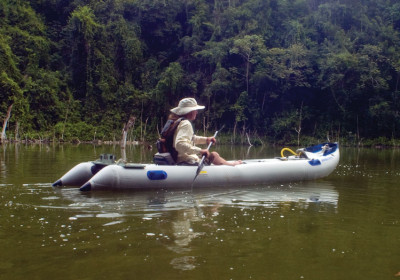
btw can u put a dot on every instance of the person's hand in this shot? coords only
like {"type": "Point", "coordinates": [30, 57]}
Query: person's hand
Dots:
{"type": "Point", "coordinates": [211, 139]}
{"type": "Point", "coordinates": [205, 152]}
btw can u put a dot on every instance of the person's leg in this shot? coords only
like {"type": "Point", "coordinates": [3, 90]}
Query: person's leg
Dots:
{"type": "Point", "coordinates": [216, 159]}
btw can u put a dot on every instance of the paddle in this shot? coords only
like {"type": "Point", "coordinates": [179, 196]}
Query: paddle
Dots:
{"type": "Point", "coordinates": [201, 164]}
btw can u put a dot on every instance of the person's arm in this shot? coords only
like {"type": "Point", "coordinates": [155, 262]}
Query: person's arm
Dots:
{"type": "Point", "coordinates": [184, 137]}
{"type": "Point", "coordinates": [200, 140]}
{"type": "Point", "coordinates": [203, 140]}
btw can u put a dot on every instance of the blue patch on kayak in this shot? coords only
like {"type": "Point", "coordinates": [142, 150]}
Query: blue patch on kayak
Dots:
{"type": "Point", "coordinates": [314, 162]}
{"type": "Point", "coordinates": [328, 147]}
{"type": "Point", "coordinates": [157, 175]}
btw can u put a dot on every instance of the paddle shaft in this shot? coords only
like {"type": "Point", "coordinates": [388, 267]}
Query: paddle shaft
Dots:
{"type": "Point", "coordinates": [201, 164]}
{"type": "Point", "coordinates": [208, 148]}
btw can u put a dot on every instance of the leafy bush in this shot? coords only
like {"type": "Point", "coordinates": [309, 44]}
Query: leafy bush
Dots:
{"type": "Point", "coordinates": [72, 131]}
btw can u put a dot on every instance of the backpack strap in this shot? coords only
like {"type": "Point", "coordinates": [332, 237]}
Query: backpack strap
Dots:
{"type": "Point", "coordinates": [167, 138]}
{"type": "Point", "coordinates": [170, 127]}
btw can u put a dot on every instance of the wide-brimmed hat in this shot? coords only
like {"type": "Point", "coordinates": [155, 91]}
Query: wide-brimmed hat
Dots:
{"type": "Point", "coordinates": [186, 105]}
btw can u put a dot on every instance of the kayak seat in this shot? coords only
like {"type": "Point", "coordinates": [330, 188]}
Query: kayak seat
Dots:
{"type": "Point", "coordinates": [163, 159]}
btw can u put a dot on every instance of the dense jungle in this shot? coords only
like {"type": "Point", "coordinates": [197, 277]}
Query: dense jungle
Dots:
{"type": "Point", "coordinates": [282, 71]}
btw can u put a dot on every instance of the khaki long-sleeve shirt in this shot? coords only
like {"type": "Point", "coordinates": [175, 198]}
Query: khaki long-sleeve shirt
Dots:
{"type": "Point", "coordinates": [185, 141]}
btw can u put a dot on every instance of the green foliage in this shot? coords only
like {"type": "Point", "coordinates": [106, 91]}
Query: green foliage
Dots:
{"type": "Point", "coordinates": [79, 69]}
{"type": "Point", "coordinates": [8, 61]}
{"type": "Point", "coordinates": [168, 88]}
{"type": "Point", "coordinates": [72, 131]}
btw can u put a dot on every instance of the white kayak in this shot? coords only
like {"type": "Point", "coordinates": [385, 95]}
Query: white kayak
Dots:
{"type": "Point", "coordinates": [306, 164]}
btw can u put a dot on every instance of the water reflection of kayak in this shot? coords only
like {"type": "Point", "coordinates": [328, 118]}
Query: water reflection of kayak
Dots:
{"type": "Point", "coordinates": [154, 202]}
{"type": "Point", "coordinates": [306, 164]}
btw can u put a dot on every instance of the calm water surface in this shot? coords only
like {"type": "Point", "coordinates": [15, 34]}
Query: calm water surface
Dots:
{"type": "Point", "coordinates": [346, 226]}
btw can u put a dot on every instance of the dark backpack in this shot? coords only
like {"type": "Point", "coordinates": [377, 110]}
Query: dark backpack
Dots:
{"type": "Point", "coordinates": [166, 143]}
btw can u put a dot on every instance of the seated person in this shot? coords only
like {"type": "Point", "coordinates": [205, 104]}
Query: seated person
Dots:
{"type": "Point", "coordinates": [184, 139]}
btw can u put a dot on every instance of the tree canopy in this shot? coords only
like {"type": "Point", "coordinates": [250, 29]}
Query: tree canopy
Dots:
{"type": "Point", "coordinates": [75, 69]}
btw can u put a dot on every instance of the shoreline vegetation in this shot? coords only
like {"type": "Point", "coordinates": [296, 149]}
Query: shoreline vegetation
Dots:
{"type": "Point", "coordinates": [224, 139]}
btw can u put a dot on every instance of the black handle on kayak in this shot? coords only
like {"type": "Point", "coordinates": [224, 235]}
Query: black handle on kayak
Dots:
{"type": "Point", "coordinates": [201, 164]}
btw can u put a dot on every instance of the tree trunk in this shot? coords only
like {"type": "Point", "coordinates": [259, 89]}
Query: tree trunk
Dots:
{"type": "Point", "coordinates": [298, 130]}
{"type": "Point", "coordinates": [3, 132]}
{"type": "Point", "coordinates": [247, 73]}
{"type": "Point", "coordinates": [127, 126]}
{"type": "Point", "coordinates": [16, 132]}
{"type": "Point", "coordinates": [234, 132]}
{"type": "Point", "coordinates": [248, 139]}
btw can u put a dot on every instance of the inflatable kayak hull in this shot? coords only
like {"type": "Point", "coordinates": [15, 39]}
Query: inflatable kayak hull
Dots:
{"type": "Point", "coordinates": [311, 163]}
